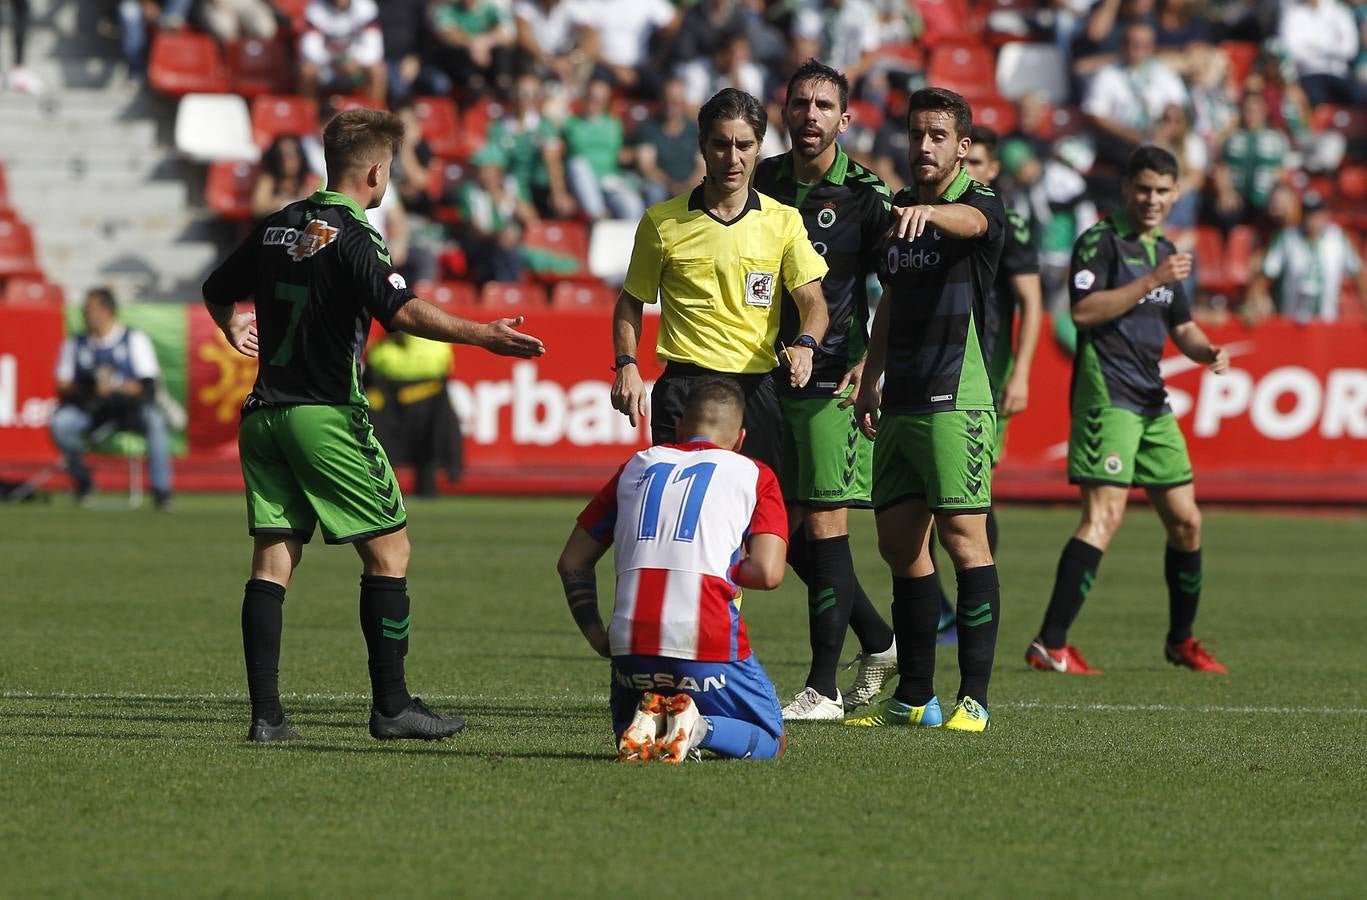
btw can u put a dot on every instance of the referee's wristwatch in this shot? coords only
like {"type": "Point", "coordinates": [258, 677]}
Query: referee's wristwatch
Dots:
{"type": "Point", "coordinates": [623, 361]}
{"type": "Point", "coordinates": [806, 340]}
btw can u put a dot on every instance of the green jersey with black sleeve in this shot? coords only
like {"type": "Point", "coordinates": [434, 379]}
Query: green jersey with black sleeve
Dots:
{"type": "Point", "coordinates": [938, 288]}
{"type": "Point", "coordinates": [846, 214]}
{"type": "Point", "coordinates": [1019, 257]}
{"type": "Point", "coordinates": [319, 272]}
{"type": "Point", "coordinates": [1116, 363]}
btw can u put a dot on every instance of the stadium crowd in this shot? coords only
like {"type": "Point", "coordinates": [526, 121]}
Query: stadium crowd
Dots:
{"type": "Point", "coordinates": [582, 110]}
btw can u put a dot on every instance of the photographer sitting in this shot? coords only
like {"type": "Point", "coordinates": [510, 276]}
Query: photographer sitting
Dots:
{"type": "Point", "coordinates": [107, 382]}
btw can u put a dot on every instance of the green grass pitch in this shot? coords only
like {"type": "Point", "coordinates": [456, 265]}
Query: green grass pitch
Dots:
{"type": "Point", "coordinates": [122, 713]}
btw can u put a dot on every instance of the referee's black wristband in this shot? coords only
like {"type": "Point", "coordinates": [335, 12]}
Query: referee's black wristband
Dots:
{"type": "Point", "coordinates": [621, 361]}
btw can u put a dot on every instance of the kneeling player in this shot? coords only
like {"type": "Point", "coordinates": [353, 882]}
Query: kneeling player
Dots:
{"type": "Point", "coordinates": [692, 522]}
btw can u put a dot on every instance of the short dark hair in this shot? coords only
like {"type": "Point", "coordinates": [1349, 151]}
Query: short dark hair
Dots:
{"type": "Point", "coordinates": [945, 101]}
{"type": "Point", "coordinates": [815, 70]}
{"type": "Point", "coordinates": [1151, 159]}
{"type": "Point", "coordinates": [709, 399]}
{"type": "Point", "coordinates": [359, 137]}
{"type": "Point", "coordinates": [984, 137]}
{"type": "Point", "coordinates": [105, 297]}
{"type": "Point", "coordinates": [728, 104]}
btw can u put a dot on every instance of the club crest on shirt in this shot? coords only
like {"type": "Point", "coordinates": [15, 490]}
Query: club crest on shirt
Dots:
{"type": "Point", "coordinates": [301, 243]}
{"type": "Point", "coordinates": [826, 218]}
{"type": "Point", "coordinates": [1084, 279]}
{"type": "Point", "coordinates": [396, 281]}
{"type": "Point", "coordinates": [759, 288]}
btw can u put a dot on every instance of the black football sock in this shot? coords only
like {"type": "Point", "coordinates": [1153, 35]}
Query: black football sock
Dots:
{"type": "Point", "coordinates": [799, 557]}
{"type": "Point", "coordinates": [262, 620]}
{"type": "Point", "coordinates": [385, 621]}
{"type": "Point", "coordinates": [1077, 567]}
{"type": "Point", "coordinates": [915, 614]}
{"type": "Point", "coordinates": [946, 611]}
{"type": "Point", "coordinates": [992, 532]}
{"type": "Point", "coordinates": [869, 626]}
{"type": "Point", "coordinates": [1183, 571]}
{"type": "Point", "coordinates": [979, 613]}
{"type": "Point", "coordinates": [830, 598]}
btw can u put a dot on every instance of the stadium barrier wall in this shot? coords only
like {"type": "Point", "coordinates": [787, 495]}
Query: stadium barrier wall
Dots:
{"type": "Point", "coordinates": [1286, 424]}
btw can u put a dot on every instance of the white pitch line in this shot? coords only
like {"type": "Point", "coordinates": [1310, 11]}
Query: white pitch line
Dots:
{"type": "Point", "coordinates": [603, 698]}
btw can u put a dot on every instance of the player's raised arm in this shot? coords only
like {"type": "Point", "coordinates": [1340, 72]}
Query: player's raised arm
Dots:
{"type": "Point", "coordinates": [576, 568]}
{"type": "Point", "coordinates": [1100, 307]}
{"type": "Point", "coordinates": [421, 319]}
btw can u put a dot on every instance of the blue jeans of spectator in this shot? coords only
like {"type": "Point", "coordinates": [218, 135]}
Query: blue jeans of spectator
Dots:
{"type": "Point", "coordinates": [429, 82]}
{"type": "Point", "coordinates": [133, 29]}
{"type": "Point", "coordinates": [599, 195]}
{"type": "Point", "coordinates": [71, 425]}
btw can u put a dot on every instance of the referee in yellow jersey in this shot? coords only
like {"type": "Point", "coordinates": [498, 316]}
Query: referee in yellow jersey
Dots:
{"type": "Point", "coordinates": [718, 259]}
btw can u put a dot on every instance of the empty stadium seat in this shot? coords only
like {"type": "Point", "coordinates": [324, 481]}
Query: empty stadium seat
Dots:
{"type": "Point", "coordinates": [1032, 68]}
{"type": "Point", "coordinates": [17, 256]}
{"type": "Point", "coordinates": [865, 115]}
{"type": "Point", "coordinates": [474, 121]}
{"type": "Point", "coordinates": [1211, 273]}
{"type": "Point", "coordinates": [441, 126]}
{"type": "Point", "coordinates": [997, 114]}
{"type": "Point", "coordinates": [277, 114]}
{"type": "Point", "coordinates": [966, 68]}
{"type": "Point", "coordinates": [943, 20]}
{"type": "Point", "coordinates": [610, 249]}
{"type": "Point", "coordinates": [1241, 55]}
{"type": "Point", "coordinates": [4, 189]}
{"type": "Point", "coordinates": [512, 297]}
{"type": "Point", "coordinates": [28, 290]}
{"type": "Point", "coordinates": [583, 295]}
{"type": "Point", "coordinates": [451, 295]}
{"type": "Point", "coordinates": [215, 127]}
{"type": "Point", "coordinates": [229, 190]}
{"type": "Point", "coordinates": [1350, 121]}
{"type": "Point", "coordinates": [186, 62]}
{"type": "Point", "coordinates": [258, 67]}
{"type": "Point", "coordinates": [1239, 255]}
{"type": "Point", "coordinates": [570, 239]}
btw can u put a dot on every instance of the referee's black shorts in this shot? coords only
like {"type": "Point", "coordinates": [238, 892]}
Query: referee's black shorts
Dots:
{"type": "Point", "coordinates": [763, 416]}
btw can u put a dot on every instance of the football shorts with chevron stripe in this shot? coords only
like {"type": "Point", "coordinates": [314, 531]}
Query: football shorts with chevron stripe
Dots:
{"type": "Point", "coordinates": [943, 458]}
{"type": "Point", "coordinates": [1110, 445]}
{"type": "Point", "coordinates": [827, 461]}
{"type": "Point", "coordinates": [307, 466]}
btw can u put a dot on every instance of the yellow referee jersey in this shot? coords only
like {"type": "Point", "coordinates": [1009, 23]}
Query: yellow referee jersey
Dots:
{"type": "Point", "coordinates": [718, 282]}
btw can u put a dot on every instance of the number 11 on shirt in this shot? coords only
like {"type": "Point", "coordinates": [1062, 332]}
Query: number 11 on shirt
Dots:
{"type": "Point", "coordinates": [656, 477]}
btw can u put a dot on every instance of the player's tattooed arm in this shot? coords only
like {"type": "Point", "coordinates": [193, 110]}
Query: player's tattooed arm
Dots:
{"type": "Point", "coordinates": [576, 570]}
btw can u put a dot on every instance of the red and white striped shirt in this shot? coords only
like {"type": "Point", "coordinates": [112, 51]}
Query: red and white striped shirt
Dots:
{"type": "Point", "coordinates": [679, 515]}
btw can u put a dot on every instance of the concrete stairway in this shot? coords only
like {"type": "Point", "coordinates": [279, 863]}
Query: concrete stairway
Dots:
{"type": "Point", "coordinates": [92, 170]}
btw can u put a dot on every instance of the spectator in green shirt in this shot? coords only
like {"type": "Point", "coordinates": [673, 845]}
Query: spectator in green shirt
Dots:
{"type": "Point", "coordinates": [530, 149]}
{"type": "Point", "coordinates": [666, 148]}
{"type": "Point", "coordinates": [1251, 163]}
{"type": "Point", "coordinates": [474, 43]}
{"type": "Point", "coordinates": [494, 217]}
{"type": "Point", "coordinates": [594, 146]}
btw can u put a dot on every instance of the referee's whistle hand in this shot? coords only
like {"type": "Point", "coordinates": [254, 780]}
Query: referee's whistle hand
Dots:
{"type": "Point", "coordinates": [629, 394]}
{"type": "Point", "coordinates": [505, 340]}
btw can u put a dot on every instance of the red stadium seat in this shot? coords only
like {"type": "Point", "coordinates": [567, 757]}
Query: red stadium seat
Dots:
{"type": "Point", "coordinates": [258, 67]}
{"type": "Point", "coordinates": [450, 295]}
{"type": "Point", "coordinates": [1241, 55]}
{"type": "Point", "coordinates": [866, 115]}
{"type": "Point", "coordinates": [1351, 121]}
{"type": "Point", "coordinates": [441, 126]}
{"type": "Point", "coordinates": [228, 191]}
{"type": "Point", "coordinates": [474, 122]}
{"type": "Point", "coordinates": [32, 291]}
{"type": "Point", "coordinates": [186, 62]}
{"type": "Point", "coordinates": [501, 296]}
{"type": "Point", "coordinates": [17, 256]}
{"type": "Point", "coordinates": [969, 69]}
{"type": "Point", "coordinates": [1352, 183]}
{"type": "Point", "coordinates": [340, 103]}
{"type": "Point", "coordinates": [585, 295]}
{"type": "Point", "coordinates": [1211, 274]}
{"type": "Point", "coordinates": [998, 114]}
{"type": "Point", "coordinates": [1239, 256]}
{"type": "Point", "coordinates": [569, 239]}
{"type": "Point", "coordinates": [4, 189]}
{"type": "Point", "coordinates": [1062, 121]}
{"type": "Point", "coordinates": [276, 114]}
{"type": "Point", "coordinates": [943, 20]}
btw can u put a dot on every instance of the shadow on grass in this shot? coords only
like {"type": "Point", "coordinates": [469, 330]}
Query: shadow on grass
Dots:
{"type": "Point", "coordinates": [435, 749]}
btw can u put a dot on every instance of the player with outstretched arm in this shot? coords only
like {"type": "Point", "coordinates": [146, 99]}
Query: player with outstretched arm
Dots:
{"type": "Point", "coordinates": [692, 522]}
{"type": "Point", "coordinates": [319, 273]}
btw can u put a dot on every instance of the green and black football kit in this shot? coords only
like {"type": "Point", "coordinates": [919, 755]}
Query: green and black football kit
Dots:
{"type": "Point", "coordinates": [1123, 430]}
{"type": "Point", "coordinates": [827, 461]}
{"type": "Point", "coordinates": [936, 434]}
{"type": "Point", "coordinates": [319, 272]}
{"type": "Point", "coordinates": [1020, 256]}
